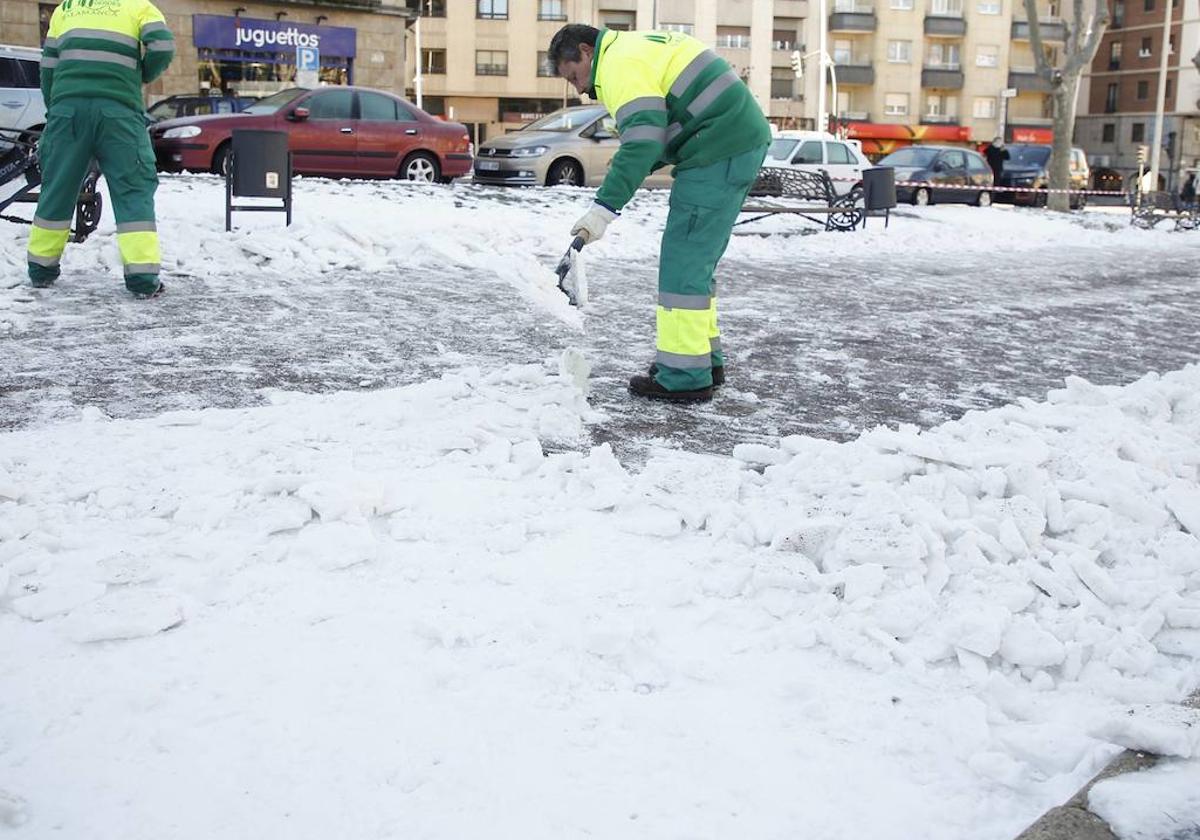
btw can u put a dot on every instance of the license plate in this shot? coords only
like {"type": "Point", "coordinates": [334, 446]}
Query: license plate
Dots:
{"type": "Point", "coordinates": [487, 165]}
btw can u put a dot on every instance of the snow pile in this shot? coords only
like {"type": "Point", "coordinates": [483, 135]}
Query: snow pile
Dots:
{"type": "Point", "coordinates": [1053, 541]}
{"type": "Point", "coordinates": [1162, 802]}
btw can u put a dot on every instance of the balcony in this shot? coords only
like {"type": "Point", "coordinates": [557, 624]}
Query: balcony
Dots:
{"type": "Point", "coordinates": [946, 77]}
{"type": "Point", "coordinates": [854, 116]}
{"type": "Point", "coordinates": [945, 26]}
{"type": "Point", "coordinates": [855, 73]}
{"type": "Point", "coordinates": [852, 16]}
{"type": "Point", "coordinates": [939, 119]}
{"type": "Point", "coordinates": [1053, 31]}
{"type": "Point", "coordinates": [1030, 122]}
{"type": "Point", "coordinates": [1026, 80]}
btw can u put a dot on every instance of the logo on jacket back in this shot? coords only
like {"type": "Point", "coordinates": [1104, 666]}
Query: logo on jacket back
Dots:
{"type": "Point", "coordinates": [282, 38]}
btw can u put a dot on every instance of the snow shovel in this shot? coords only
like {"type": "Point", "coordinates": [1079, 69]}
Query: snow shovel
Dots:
{"type": "Point", "coordinates": [572, 281]}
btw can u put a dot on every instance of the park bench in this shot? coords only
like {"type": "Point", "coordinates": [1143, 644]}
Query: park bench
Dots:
{"type": "Point", "coordinates": [19, 168]}
{"type": "Point", "coordinates": [1151, 208]}
{"type": "Point", "coordinates": [807, 195]}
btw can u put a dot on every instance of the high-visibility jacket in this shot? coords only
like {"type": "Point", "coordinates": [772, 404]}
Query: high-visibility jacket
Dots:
{"type": "Point", "coordinates": [675, 102]}
{"type": "Point", "coordinates": [105, 48]}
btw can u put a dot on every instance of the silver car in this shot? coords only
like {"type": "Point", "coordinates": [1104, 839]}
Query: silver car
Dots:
{"type": "Point", "coordinates": [571, 147]}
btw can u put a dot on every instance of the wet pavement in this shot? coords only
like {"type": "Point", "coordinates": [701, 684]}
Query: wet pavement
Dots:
{"type": "Point", "coordinates": [815, 347]}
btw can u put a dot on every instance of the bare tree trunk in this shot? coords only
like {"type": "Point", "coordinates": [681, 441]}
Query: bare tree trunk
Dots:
{"type": "Point", "coordinates": [1060, 156]}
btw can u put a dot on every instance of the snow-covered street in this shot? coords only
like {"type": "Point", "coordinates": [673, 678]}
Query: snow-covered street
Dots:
{"type": "Point", "coordinates": [463, 585]}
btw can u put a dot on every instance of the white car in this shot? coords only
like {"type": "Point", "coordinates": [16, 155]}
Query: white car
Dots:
{"type": "Point", "coordinates": [22, 109]}
{"type": "Point", "coordinates": [815, 151]}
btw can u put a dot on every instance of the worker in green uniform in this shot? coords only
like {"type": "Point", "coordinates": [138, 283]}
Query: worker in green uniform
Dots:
{"type": "Point", "coordinates": [97, 56]}
{"type": "Point", "coordinates": [675, 102]}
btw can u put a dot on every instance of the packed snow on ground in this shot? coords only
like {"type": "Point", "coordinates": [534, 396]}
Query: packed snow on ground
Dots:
{"type": "Point", "coordinates": [1152, 804]}
{"type": "Point", "coordinates": [428, 612]}
{"type": "Point", "coordinates": [511, 236]}
{"type": "Point", "coordinates": [435, 611]}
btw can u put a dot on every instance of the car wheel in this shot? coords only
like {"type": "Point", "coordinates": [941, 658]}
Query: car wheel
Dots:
{"type": "Point", "coordinates": [921, 197]}
{"type": "Point", "coordinates": [565, 173]}
{"type": "Point", "coordinates": [984, 200]}
{"type": "Point", "coordinates": [420, 166]}
{"type": "Point", "coordinates": [222, 158]}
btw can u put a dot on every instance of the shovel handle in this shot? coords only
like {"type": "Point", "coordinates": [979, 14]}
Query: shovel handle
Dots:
{"type": "Point", "coordinates": [577, 243]}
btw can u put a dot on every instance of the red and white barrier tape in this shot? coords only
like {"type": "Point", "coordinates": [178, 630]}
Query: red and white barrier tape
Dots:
{"type": "Point", "coordinates": [1042, 190]}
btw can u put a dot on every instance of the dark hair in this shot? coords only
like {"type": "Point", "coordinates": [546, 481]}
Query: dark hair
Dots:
{"type": "Point", "coordinates": [564, 46]}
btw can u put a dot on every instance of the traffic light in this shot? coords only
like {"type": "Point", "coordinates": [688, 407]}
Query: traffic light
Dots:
{"type": "Point", "coordinates": [798, 63]}
{"type": "Point", "coordinates": [1142, 153]}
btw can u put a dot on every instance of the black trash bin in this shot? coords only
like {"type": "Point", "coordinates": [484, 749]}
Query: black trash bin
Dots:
{"type": "Point", "coordinates": [879, 191]}
{"type": "Point", "coordinates": [260, 167]}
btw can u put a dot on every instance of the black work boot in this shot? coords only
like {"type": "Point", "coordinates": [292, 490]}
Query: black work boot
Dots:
{"type": "Point", "coordinates": [648, 387]}
{"type": "Point", "coordinates": [148, 295]}
{"type": "Point", "coordinates": [718, 374]}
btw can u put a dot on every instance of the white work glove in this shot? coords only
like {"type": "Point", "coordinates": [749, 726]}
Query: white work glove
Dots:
{"type": "Point", "coordinates": [591, 225]}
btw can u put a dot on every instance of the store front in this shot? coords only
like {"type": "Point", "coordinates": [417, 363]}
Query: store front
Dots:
{"type": "Point", "coordinates": [254, 57]}
{"type": "Point", "coordinates": [880, 139]}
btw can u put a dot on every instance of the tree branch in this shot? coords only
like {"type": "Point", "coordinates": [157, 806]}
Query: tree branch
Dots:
{"type": "Point", "coordinates": [1035, 42]}
{"type": "Point", "coordinates": [1076, 62]}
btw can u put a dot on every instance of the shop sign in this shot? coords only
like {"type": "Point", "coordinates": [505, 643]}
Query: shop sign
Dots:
{"type": "Point", "coordinates": [222, 32]}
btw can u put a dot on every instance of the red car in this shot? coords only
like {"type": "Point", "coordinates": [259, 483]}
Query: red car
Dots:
{"type": "Point", "coordinates": [331, 131]}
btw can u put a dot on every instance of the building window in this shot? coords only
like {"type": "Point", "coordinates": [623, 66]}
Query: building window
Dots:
{"type": "Point", "coordinates": [544, 69]}
{"type": "Point", "coordinates": [433, 62]}
{"type": "Point", "coordinates": [900, 52]}
{"type": "Point", "coordinates": [1114, 55]}
{"type": "Point", "coordinates": [985, 108]}
{"type": "Point", "coordinates": [843, 52]}
{"type": "Point", "coordinates": [1108, 134]}
{"type": "Point", "coordinates": [1143, 90]}
{"type": "Point", "coordinates": [785, 39]}
{"type": "Point", "coordinates": [618, 21]}
{"type": "Point", "coordinates": [1171, 45]}
{"type": "Point", "coordinates": [987, 56]}
{"type": "Point", "coordinates": [990, 7]}
{"type": "Point", "coordinates": [551, 10]}
{"type": "Point", "coordinates": [895, 104]}
{"type": "Point", "coordinates": [1168, 89]}
{"type": "Point", "coordinates": [685, 28]}
{"type": "Point", "coordinates": [44, 12]}
{"type": "Point", "coordinates": [1137, 132]}
{"type": "Point", "coordinates": [902, 5]}
{"type": "Point", "coordinates": [1148, 5]}
{"type": "Point", "coordinates": [492, 10]}
{"type": "Point", "coordinates": [951, 8]}
{"type": "Point", "coordinates": [733, 37]}
{"type": "Point", "coordinates": [1118, 14]}
{"type": "Point", "coordinates": [943, 56]}
{"type": "Point", "coordinates": [491, 62]}
{"type": "Point", "coordinates": [1110, 98]}
{"type": "Point", "coordinates": [431, 8]}
{"type": "Point", "coordinates": [1147, 48]}
{"type": "Point", "coordinates": [783, 83]}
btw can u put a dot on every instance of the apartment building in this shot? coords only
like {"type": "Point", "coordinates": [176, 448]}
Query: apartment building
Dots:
{"type": "Point", "coordinates": [1117, 106]}
{"type": "Point", "coordinates": [482, 62]}
{"type": "Point", "coordinates": [954, 71]}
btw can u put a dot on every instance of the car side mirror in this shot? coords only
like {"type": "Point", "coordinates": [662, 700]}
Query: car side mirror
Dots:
{"type": "Point", "coordinates": [299, 114]}
{"type": "Point", "coordinates": [600, 134]}
{"type": "Point", "coordinates": [939, 166]}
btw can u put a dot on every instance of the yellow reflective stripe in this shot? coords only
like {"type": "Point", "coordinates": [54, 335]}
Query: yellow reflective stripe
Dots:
{"type": "Point", "coordinates": [685, 334]}
{"type": "Point", "coordinates": [139, 248]}
{"type": "Point", "coordinates": [47, 243]}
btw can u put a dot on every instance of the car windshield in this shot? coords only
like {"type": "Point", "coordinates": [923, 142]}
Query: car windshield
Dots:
{"type": "Point", "coordinates": [782, 148]}
{"type": "Point", "coordinates": [565, 120]}
{"type": "Point", "coordinates": [275, 101]}
{"type": "Point", "coordinates": [164, 110]}
{"type": "Point", "coordinates": [911, 156]}
{"type": "Point", "coordinates": [1028, 155]}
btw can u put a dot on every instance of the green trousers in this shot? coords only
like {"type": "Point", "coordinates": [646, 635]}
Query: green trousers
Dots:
{"type": "Point", "coordinates": [704, 204]}
{"type": "Point", "coordinates": [79, 130]}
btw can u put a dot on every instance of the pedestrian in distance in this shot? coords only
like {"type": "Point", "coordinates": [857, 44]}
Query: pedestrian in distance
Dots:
{"type": "Point", "coordinates": [676, 103]}
{"type": "Point", "coordinates": [996, 154]}
{"type": "Point", "coordinates": [1187, 195]}
{"type": "Point", "coordinates": [95, 60]}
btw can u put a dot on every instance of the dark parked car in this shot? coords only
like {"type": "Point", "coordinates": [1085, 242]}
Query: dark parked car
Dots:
{"type": "Point", "coordinates": [1027, 166]}
{"type": "Point", "coordinates": [195, 106]}
{"type": "Point", "coordinates": [941, 174]}
{"type": "Point", "coordinates": [338, 131]}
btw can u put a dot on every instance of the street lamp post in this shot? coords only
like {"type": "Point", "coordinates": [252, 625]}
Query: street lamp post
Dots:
{"type": "Point", "coordinates": [826, 62]}
{"type": "Point", "coordinates": [1160, 107]}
